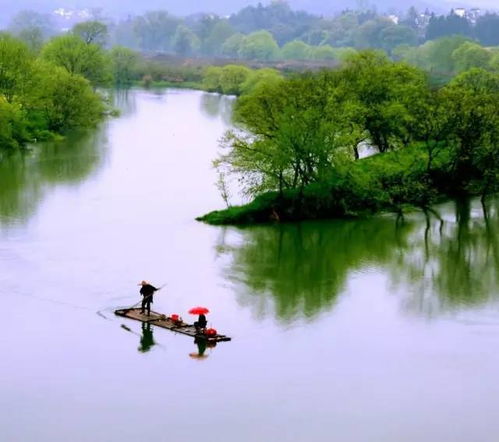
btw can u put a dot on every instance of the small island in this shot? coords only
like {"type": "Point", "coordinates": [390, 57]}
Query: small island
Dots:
{"type": "Point", "coordinates": [297, 147]}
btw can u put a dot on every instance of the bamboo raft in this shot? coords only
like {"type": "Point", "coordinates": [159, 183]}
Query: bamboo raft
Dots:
{"type": "Point", "coordinates": [163, 321]}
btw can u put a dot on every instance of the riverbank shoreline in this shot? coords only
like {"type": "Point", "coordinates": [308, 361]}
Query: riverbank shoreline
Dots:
{"type": "Point", "coordinates": [364, 188]}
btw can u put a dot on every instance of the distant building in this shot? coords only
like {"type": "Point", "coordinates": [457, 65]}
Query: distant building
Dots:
{"type": "Point", "coordinates": [65, 19]}
{"type": "Point", "coordinates": [394, 18]}
{"type": "Point", "coordinates": [423, 19]}
{"type": "Point", "coordinates": [470, 14]}
{"type": "Point", "coordinates": [473, 15]}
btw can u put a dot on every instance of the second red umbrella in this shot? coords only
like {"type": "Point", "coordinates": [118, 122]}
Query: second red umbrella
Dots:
{"type": "Point", "coordinates": [198, 311]}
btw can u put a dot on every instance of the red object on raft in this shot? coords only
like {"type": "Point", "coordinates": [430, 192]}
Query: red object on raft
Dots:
{"type": "Point", "coordinates": [198, 311]}
{"type": "Point", "coordinates": [210, 332]}
{"type": "Point", "coordinates": [174, 317]}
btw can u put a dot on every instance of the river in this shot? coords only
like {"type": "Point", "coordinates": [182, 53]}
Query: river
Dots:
{"type": "Point", "coordinates": [366, 330]}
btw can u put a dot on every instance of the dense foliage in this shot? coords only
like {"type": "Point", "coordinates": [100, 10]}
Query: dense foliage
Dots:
{"type": "Point", "coordinates": [40, 97]}
{"type": "Point", "coordinates": [297, 146]}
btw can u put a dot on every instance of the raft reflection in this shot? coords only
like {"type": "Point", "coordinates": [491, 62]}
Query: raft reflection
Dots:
{"type": "Point", "coordinates": [443, 260]}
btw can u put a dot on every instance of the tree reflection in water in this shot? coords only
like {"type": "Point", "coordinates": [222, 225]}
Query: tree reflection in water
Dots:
{"type": "Point", "coordinates": [454, 263]}
{"type": "Point", "coordinates": [444, 259]}
{"type": "Point", "coordinates": [215, 105]}
{"type": "Point", "coordinates": [26, 176]}
{"type": "Point", "coordinates": [303, 267]}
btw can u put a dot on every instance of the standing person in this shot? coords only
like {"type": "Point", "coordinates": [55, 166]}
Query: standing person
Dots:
{"type": "Point", "coordinates": [147, 291]}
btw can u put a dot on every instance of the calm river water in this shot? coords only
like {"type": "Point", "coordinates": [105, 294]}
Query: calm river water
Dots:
{"type": "Point", "coordinates": [367, 330]}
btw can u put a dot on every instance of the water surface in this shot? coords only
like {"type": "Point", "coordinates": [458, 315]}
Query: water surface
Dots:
{"type": "Point", "coordinates": [369, 330]}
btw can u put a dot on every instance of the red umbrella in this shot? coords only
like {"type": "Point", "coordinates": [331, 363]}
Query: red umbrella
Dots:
{"type": "Point", "coordinates": [198, 311]}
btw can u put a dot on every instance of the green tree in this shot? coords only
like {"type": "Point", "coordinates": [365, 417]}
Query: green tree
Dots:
{"type": "Point", "coordinates": [494, 62]}
{"type": "Point", "coordinates": [259, 77]}
{"type": "Point", "coordinates": [439, 53]}
{"type": "Point", "coordinates": [341, 30]}
{"type": "Point", "coordinates": [470, 55]}
{"type": "Point", "coordinates": [295, 50]}
{"type": "Point", "coordinates": [33, 38]}
{"type": "Point", "coordinates": [32, 28]}
{"type": "Point", "coordinates": [369, 34]}
{"type": "Point", "coordinates": [232, 45]}
{"type": "Point", "coordinates": [472, 101]}
{"type": "Point", "coordinates": [232, 78]}
{"type": "Point", "coordinates": [395, 35]}
{"type": "Point", "coordinates": [324, 52]}
{"type": "Point", "coordinates": [294, 135]}
{"type": "Point", "coordinates": [451, 24]}
{"type": "Point", "coordinates": [124, 65]}
{"type": "Point", "coordinates": [259, 45]}
{"type": "Point", "coordinates": [123, 33]}
{"type": "Point", "coordinates": [13, 131]}
{"type": "Point", "coordinates": [212, 79]}
{"type": "Point", "coordinates": [91, 32]}
{"type": "Point", "coordinates": [213, 44]}
{"type": "Point", "coordinates": [155, 30]}
{"type": "Point", "coordinates": [65, 100]}
{"type": "Point", "coordinates": [77, 57]}
{"type": "Point", "coordinates": [15, 67]}
{"type": "Point", "coordinates": [185, 42]}
{"type": "Point", "coordinates": [344, 54]}
{"type": "Point", "coordinates": [487, 29]}
{"type": "Point", "coordinates": [388, 94]}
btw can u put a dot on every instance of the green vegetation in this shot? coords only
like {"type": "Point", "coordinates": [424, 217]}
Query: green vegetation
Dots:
{"type": "Point", "coordinates": [270, 32]}
{"type": "Point", "coordinates": [297, 147]}
{"type": "Point", "coordinates": [42, 97]}
{"type": "Point", "coordinates": [77, 57]}
{"type": "Point", "coordinates": [264, 32]}
{"type": "Point", "coordinates": [236, 79]}
{"type": "Point", "coordinates": [52, 90]}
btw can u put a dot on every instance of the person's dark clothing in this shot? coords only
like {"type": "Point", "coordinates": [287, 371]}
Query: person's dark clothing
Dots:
{"type": "Point", "coordinates": [201, 323]}
{"type": "Point", "coordinates": [147, 291]}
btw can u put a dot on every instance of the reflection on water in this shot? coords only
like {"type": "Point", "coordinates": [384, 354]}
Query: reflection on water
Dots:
{"type": "Point", "coordinates": [202, 344]}
{"type": "Point", "coordinates": [216, 105]}
{"type": "Point", "coordinates": [125, 100]}
{"type": "Point", "coordinates": [453, 260]}
{"type": "Point", "coordinates": [442, 261]}
{"type": "Point", "coordinates": [147, 338]}
{"type": "Point", "coordinates": [25, 176]}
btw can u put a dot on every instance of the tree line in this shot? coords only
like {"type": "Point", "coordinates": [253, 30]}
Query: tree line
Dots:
{"type": "Point", "coordinates": [270, 32]}
{"type": "Point", "coordinates": [298, 142]}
